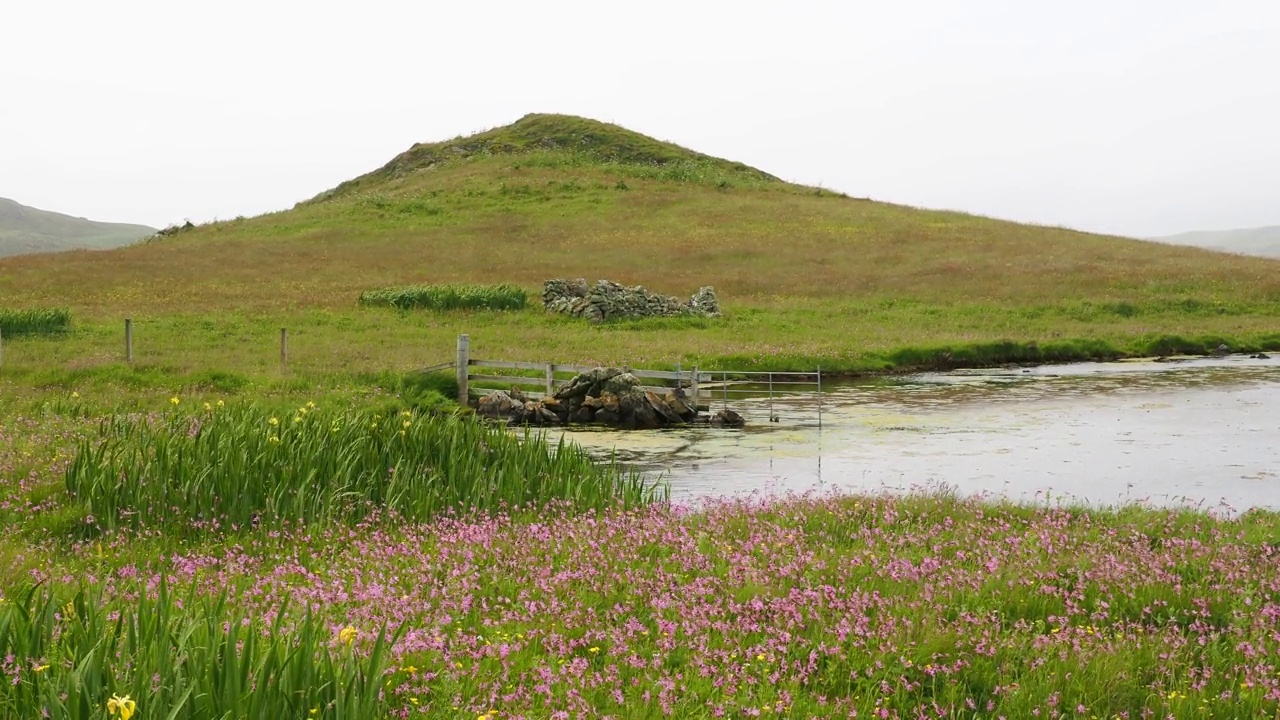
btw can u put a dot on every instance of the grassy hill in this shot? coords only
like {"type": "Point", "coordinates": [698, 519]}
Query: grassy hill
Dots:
{"type": "Point", "coordinates": [28, 230]}
{"type": "Point", "coordinates": [806, 276]}
{"type": "Point", "coordinates": [1263, 241]}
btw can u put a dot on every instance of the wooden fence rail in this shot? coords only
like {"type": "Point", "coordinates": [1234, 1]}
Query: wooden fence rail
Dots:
{"type": "Point", "coordinates": [465, 367]}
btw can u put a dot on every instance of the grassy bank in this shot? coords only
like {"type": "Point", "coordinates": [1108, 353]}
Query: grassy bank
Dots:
{"type": "Point", "coordinates": [234, 351]}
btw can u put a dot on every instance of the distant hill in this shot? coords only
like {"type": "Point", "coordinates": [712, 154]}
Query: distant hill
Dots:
{"type": "Point", "coordinates": [28, 230]}
{"type": "Point", "coordinates": [1263, 241]}
{"type": "Point", "coordinates": [805, 276]}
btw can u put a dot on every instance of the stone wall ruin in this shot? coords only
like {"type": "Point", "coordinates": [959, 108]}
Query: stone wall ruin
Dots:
{"type": "Point", "coordinates": [608, 300]}
{"type": "Point", "coordinates": [606, 396]}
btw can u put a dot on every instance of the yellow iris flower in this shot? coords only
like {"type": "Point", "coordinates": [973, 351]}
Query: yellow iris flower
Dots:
{"type": "Point", "coordinates": [347, 635]}
{"type": "Point", "coordinates": [125, 706]}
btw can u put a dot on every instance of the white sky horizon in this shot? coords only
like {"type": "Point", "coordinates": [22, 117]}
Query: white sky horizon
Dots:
{"type": "Point", "coordinates": [1140, 118]}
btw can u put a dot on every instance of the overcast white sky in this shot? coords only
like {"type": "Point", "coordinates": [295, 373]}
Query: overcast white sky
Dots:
{"type": "Point", "coordinates": [1133, 117]}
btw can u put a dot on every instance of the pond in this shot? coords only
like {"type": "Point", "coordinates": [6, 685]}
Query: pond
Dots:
{"type": "Point", "coordinates": [1203, 432]}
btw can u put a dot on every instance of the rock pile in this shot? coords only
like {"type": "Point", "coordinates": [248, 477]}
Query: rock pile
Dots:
{"type": "Point", "coordinates": [608, 396]}
{"type": "Point", "coordinates": [608, 300]}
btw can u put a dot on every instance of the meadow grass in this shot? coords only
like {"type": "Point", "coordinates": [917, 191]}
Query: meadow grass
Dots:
{"type": "Point", "coordinates": [242, 465]}
{"type": "Point", "coordinates": [34, 322]}
{"type": "Point", "coordinates": [77, 657]}
{"type": "Point", "coordinates": [448, 297]}
{"type": "Point", "coordinates": [790, 607]}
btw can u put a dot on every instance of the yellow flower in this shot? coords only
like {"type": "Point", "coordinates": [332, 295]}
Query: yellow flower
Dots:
{"type": "Point", "coordinates": [41, 668]}
{"type": "Point", "coordinates": [69, 609]}
{"type": "Point", "coordinates": [273, 438]}
{"type": "Point", "coordinates": [207, 407]}
{"type": "Point", "coordinates": [274, 421]}
{"type": "Point", "coordinates": [594, 650]}
{"type": "Point", "coordinates": [297, 419]}
{"type": "Point", "coordinates": [74, 395]}
{"type": "Point", "coordinates": [411, 669]}
{"type": "Point", "coordinates": [220, 403]}
{"type": "Point", "coordinates": [760, 657]}
{"type": "Point", "coordinates": [413, 700]}
{"type": "Point", "coordinates": [315, 710]}
{"type": "Point", "coordinates": [311, 405]}
{"type": "Point", "coordinates": [173, 401]}
{"type": "Point", "coordinates": [407, 413]}
{"type": "Point", "coordinates": [123, 705]}
{"type": "Point", "coordinates": [407, 423]}
{"type": "Point", "coordinates": [347, 635]}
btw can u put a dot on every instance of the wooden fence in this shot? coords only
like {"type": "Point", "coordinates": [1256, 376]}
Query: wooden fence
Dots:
{"type": "Point", "coordinates": [546, 383]}
{"type": "Point", "coordinates": [752, 393]}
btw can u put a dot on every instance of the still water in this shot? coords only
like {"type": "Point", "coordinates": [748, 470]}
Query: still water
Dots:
{"type": "Point", "coordinates": [1202, 432]}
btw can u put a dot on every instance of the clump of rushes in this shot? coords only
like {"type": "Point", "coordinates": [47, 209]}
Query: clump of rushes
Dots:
{"type": "Point", "coordinates": [449, 297]}
{"type": "Point", "coordinates": [46, 321]}
{"type": "Point", "coordinates": [242, 465]}
{"type": "Point", "coordinates": [193, 657]}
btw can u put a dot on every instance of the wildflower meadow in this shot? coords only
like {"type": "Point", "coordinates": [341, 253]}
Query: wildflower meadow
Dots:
{"type": "Point", "coordinates": [202, 561]}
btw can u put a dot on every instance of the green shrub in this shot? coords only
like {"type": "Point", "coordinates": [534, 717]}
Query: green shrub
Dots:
{"type": "Point", "coordinates": [243, 465]}
{"type": "Point", "coordinates": [34, 322]}
{"type": "Point", "coordinates": [448, 297]}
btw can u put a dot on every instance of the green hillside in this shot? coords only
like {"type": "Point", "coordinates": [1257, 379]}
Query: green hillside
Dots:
{"type": "Point", "coordinates": [28, 230]}
{"type": "Point", "coordinates": [805, 276]}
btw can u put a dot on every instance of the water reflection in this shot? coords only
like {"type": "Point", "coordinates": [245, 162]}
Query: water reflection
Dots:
{"type": "Point", "coordinates": [1200, 432]}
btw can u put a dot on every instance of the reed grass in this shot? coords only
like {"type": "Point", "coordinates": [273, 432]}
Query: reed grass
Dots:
{"type": "Point", "coordinates": [46, 321]}
{"type": "Point", "coordinates": [166, 658]}
{"type": "Point", "coordinates": [448, 297]}
{"type": "Point", "coordinates": [243, 465]}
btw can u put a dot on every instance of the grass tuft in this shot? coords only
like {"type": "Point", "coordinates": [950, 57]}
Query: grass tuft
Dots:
{"type": "Point", "coordinates": [448, 297]}
{"type": "Point", "coordinates": [242, 465]}
{"type": "Point", "coordinates": [191, 657]}
{"type": "Point", "coordinates": [46, 321]}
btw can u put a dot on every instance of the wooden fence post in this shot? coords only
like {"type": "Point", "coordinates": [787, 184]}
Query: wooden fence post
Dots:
{"type": "Point", "coordinates": [128, 341]}
{"type": "Point", "coordinates": [551, 380]}
{"type": "Point", "coordinates": [284, 349]}
{"type": "Point", "coordinates": [693, 388]}
{"type": "Point", "coordinates": [464, 369]}
{"type": "Point", "coordinates": [819, 397]}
